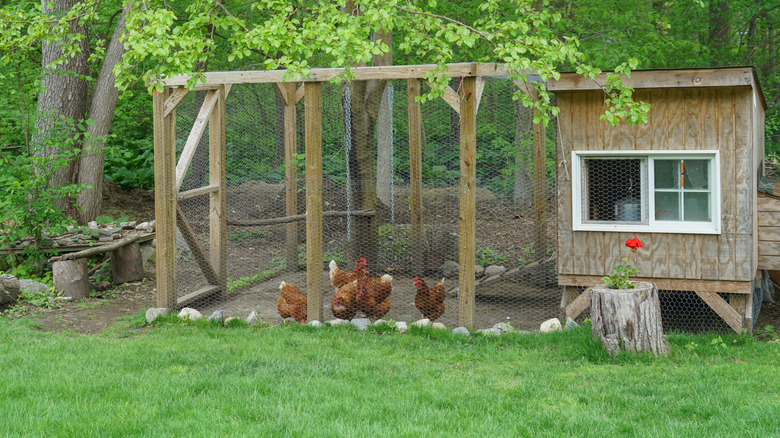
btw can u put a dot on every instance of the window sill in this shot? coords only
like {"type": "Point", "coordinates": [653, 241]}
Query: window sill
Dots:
{"type": "Point", "coordinates": [690, 228]}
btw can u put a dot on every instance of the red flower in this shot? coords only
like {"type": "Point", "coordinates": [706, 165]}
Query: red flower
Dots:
{"type": "Point", "coordinates": [633, 244]}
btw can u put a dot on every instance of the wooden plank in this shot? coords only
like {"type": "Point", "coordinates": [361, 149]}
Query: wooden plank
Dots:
{"type": "Point", "coordinates": [314, 241]}
{"type": "Point", "coordinates": [767, 203]}
{"type": "Point", "coordinates": [643, 133]}
{"type": "Point", "coordinates": [198, 128]}
{"type": "Point", "coordinates": [768, 248]}
{"type": "Point", "coordinates": [568, 295]}
{"type": "Point", "coordinates": [769, 234]}
{"type": "Point", "coordinates": [576, 307]}
{"type": "Point", "coordinates": [467, 219]}
{"type": "Point", "coordinates": [297, 217]}
{"type": "Point", "coordinates": [218, 199]}
{"type": "Point", "coordinates": [726, 140]}
{"type": "Point", "coordinates": [691, 114]}
{"type": "Point", "coordinates": [466, 69]}
{"type": "Point", "coordinates": [281, 90]}
{"type": "Point", "coordinates": [669, 284]}
{"type": "Point", "coordinates": [201, 293]}
{"type": "Point", "coordinates": [770, 263]}
{"type": "Point", "coordinates": [709, 257]}
{"type": "Point", "coordinates": [290, 177]}
{"type": "Point", "coordinates": [478, 93]}
{"type": "Point", "coordinates": [692, 263]}
{"type": "Point", "coordinates": [746, 178]}
{"type": "Point", "coordinates": [768, 219]}
{"type": "Point", "coordinates": [200, 191]}
{"type": "Point", "coordinates": [722, 308]}
{"type": "Point", "coordinates": [739, 302]}
{"type": "Point", "coordinates": [675, 127]}
{"type": "Point", "coordinates": [726, 256]}
{"type": "Point", "coordinates": [165, 199]}
{"type": "Point", "coordinates": [415, 171]}
{"type": "Point", "coordinates": [198, 254]}
{"type": "Point", "coordinates": [743, 261]}
{"type": "Point", "coordinates": [660, 251]}
{"type": "Point", "coordinates": [451, 97]}
{"type": "Point", "coordinates": [707, 118]}
{"type": "Point", "coordinates": [174, 99]}
{"type": "Point", "coordinates": [580, 252]}
{"type": "Point", "coordinates": [701, 78]}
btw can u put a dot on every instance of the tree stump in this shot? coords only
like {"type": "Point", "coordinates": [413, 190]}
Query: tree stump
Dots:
{"type": "Point", "coordinates": [628, 318]}
{"type": "Point", "coordinates": [71, 278]}
{"type": "Point", "coordinates": [126, 264]}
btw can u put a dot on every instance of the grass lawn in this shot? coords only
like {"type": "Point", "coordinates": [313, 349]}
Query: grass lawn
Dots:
{"type": "Point", "coordinates": [203, 380]}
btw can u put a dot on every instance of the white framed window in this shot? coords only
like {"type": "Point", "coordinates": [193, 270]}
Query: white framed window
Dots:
{"type": "Point", "coordinates": [646, 191]}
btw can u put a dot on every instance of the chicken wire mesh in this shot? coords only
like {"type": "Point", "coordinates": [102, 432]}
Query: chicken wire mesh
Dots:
{"type": "Point", "coordinates": [369, 213]}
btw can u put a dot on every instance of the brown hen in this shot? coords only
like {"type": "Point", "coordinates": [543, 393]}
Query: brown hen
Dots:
{"type": "Point", "coordinates": [291, 302]}
{"type": "Point", "coordinates": [429, 301]}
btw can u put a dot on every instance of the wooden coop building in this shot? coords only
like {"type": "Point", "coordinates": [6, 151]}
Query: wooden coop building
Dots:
{"type": "Point", "coordinates": [685, 184]}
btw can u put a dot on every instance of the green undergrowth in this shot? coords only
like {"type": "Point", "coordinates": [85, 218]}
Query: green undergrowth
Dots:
{"type": "Point", "coordinates": [181, 378]}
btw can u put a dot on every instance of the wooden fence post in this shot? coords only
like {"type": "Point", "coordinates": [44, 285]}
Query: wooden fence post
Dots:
{"type": "Point", "coordinates": [165, 199]}
{"type": "Point", "coordinates": [314, 252]}
{"type": "Point", "coordinates": [415, 172]}
{"type": "Point", "coordinates": [217, 198]}
{"type": "Point", "coordinates": [468, 175]}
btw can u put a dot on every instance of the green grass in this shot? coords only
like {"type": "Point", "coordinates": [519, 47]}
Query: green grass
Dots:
{"type": "Point", "coordinates": [199, 379]}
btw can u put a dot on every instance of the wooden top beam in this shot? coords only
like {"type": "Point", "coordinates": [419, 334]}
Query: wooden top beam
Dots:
{"type": "Point", "coordinates": [683, 78]}
{"type": "Point", "coordinates": [466, 69]}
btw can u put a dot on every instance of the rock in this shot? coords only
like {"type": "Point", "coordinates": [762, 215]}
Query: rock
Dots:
{"type": "Point", "coordinates": [449, 269]}
{"type": "Point", "coordinates": [570, 323]}
{"type": "Point", "coordinates": [232, 318]}
{"type": "Point", "coordinates": [315, 324]}
{"type": "Point", "coordinates": [252, 319]}
{"type": "Point", "coordinates": [143, 226]}
{"type": "Point", "coordinates": [479, 271]}
{"type": "Point", "coordinates": [337, 321]}
{"type": "Point", "coordinates": [33, 286]}
{"type": "Point", "coordinates": [190, 313]}
{"type": "Point", "coordinates": [551, 325]}
{"type": "Point", "coordinates": [490, 332]}
{"type": "Point", "coordinates": [461, 331]}
{"type": "Point", "coordinates": [105, 239]}
{"type": "Point", "coordinates": [379, 321]}
{"type": "Point", "coordinates": [494, 270]}
{"type": "Point", "coordinates": [148, 254]}
{"type": "Point", "coordinates": [108, 231]}
{"type": "Point", "coordinates": [9, 288]}
{"type": "Point", "coordinates": [422, 323]}
{"type": "Point", "coordinates": [156, 312]}
{"type": "Point", "coordinates": [215, 317]}
{"type": "Point", "coordinates": [361, 323]}
{"type": "Point", "coordinates": [92, 224]}
{"type": "Point", "coordinates": [504, 327]}
{"type": "Point", "coordinates": [438, 326]}
{"type": "Point", "coordinates": [401, 326]}
{"type": "Point", "coordinates": [128, 225]}
{"type": "Point", "coordinates": [152, 225]}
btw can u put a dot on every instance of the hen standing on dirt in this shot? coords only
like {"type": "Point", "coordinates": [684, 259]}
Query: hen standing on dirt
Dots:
{"type": "Point", "coordinates": [291, 302]}
{"type": "Point", "coordinates": [430, 301]}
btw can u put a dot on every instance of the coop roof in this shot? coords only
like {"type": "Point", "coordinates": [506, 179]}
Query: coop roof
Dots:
{"type": "Point", "coordinates": [744, 76]}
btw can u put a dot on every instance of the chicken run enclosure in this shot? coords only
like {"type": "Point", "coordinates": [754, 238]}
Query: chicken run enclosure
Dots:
{"type": "Point", "coordinates": [260, 181]}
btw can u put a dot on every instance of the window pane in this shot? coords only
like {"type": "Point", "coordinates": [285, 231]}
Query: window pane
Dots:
{"type": "Point", "coordinates": [667, 206]}
{"type": "Point", "coordinates": [697, 206]}
{"type": "Point", "coordinates": [696, 174]}
{"type": "Point", "coordinates": [614, 189]}
{"type": "Point", "coordinates": [667, 174]}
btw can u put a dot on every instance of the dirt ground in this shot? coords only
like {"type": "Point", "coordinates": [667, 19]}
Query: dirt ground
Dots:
{"type": "Point", "coordinates": [93, 315]}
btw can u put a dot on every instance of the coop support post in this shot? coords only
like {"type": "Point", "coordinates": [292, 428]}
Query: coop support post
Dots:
{"type": "Point", "coordinates": [290, 176]}
{"type": "Point", "coordinates": [165, 198]}
{"type": "Point", "coordinates": [313, 115]}
{"type": "Point", "coordinates": [217, 199]}
{"type": "Point", "coordinates": [415, 171]}
{"type": "Point", "coordinates": [468, 175]}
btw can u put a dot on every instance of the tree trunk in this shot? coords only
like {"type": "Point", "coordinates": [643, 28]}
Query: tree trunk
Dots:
{"type": "Point", "coordinates": [126, 264]}
{"type": "Point", "coordinates": [63, 94]}
{"type": "Point", "coordinates": [628, 318]}
{"type": "Point", "coordinates": [523, 186]}
{"type": "Point", "coordinates": [101, 111]}
{"type": "Point", "coordinates": [384, 152]}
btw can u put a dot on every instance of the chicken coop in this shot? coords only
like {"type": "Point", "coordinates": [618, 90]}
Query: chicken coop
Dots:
{"type": "Point", "coordinates": [261, 180]}
{"type": "Point", "coordinates": [685, 183]}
